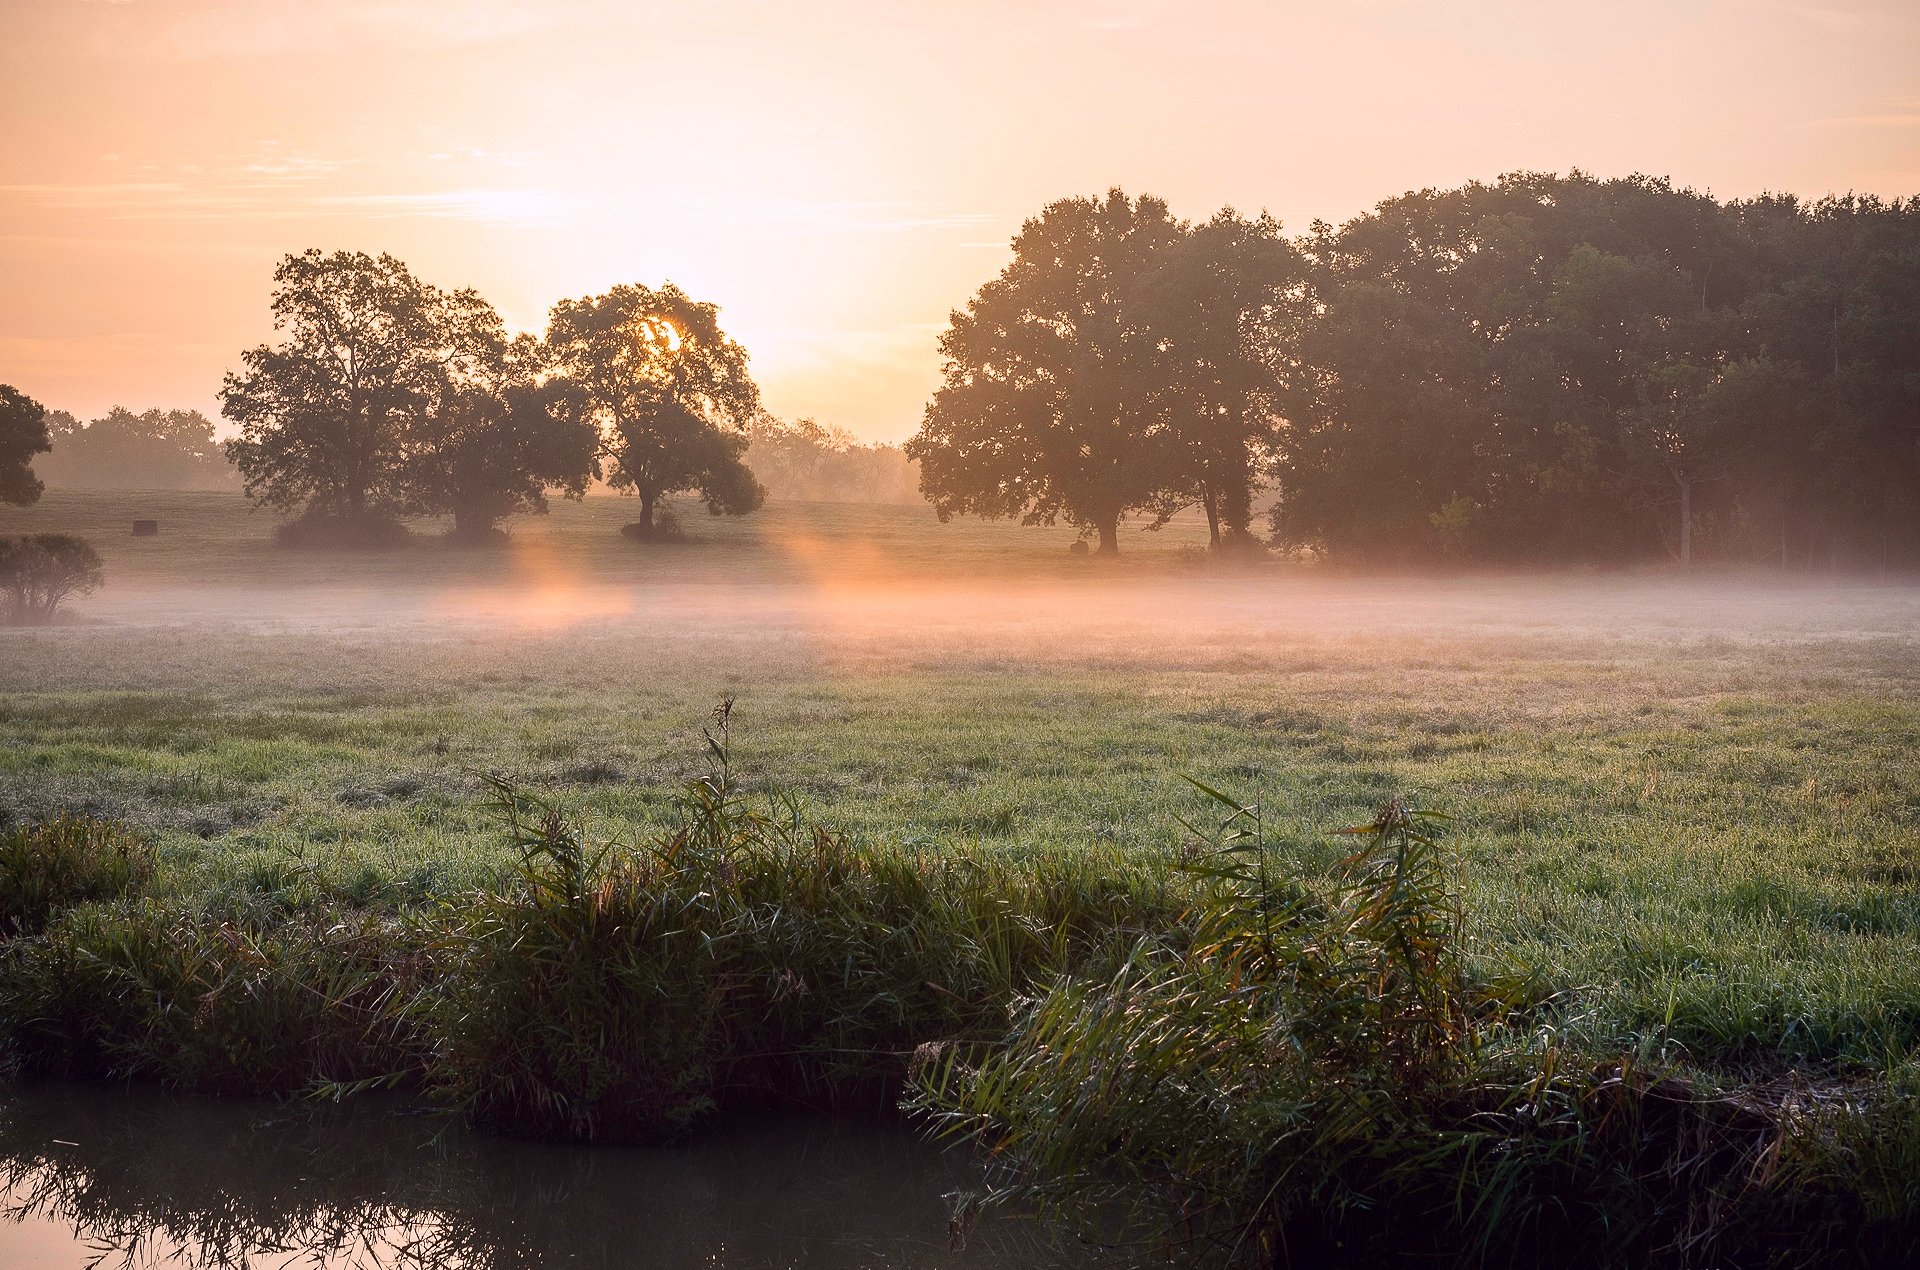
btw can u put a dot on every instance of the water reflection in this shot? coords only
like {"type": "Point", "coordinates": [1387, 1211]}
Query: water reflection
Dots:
{"type": "Point", "coordinates": [106, 1177]}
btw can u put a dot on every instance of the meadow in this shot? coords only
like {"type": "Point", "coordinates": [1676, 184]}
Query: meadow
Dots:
{"type": "Point", "coordinates": [1686, 812]}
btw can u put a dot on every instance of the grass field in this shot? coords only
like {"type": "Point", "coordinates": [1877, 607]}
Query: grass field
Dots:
{"type": "Point", "coordinates": [1699, 799]}
{"type": "Point", "coordinates": [1691, 808]}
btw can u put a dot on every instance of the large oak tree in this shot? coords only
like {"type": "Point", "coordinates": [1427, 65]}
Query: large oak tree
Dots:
{"type": "Point", "coordinates": [1047, 408]}
{"type": "Point", "coordinates": [324, 414]}
{"type": "Point", "coordinates": [667, 391]}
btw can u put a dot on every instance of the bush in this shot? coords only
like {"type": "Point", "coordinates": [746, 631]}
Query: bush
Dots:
{"type": "Point", "coordinates": [666, 527]}
{"type": "Point", "coordinates": [324, 531]}
{"type": "Point", "coordinates": [158, 991]}
{"type": "Point", "coordinates": [71, 860]}
{"type": "Point", "coordinates": [40, 570]}
{"type": "Point", "coordinates": [619, 993]}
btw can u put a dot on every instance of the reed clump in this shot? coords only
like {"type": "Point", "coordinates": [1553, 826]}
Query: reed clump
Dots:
{"type": "Point", "coordinates": [622, 992]}
{"type": "Point", "coordinates": [68, 860]}
{"type": "Point", "coordinates": [1300, 1078]}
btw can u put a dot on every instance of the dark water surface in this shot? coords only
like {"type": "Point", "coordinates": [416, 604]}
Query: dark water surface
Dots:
{"type": "Point", "coordinates": [120, 1177]}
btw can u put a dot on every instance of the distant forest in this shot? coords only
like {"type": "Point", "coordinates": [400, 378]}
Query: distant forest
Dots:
{"type": "Point", "coordinates": [176, 450]}
{"type": "Point", "coordinates": [1544, 369]}
{"type": "Point", "coordinates": [158, 449]}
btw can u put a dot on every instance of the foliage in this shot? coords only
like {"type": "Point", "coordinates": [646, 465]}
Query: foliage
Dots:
{"type": "Point", "coordinates": [490, 445]}
{"type": "Point", "coordinates": [1124, 362]}
{"type": "Point", "coordinates": [324, 414]}
{"type": "Point", "coordinates": [23, 434]}
{"type": "Point", "coordinates": [1220, 309]}
{"type": "Point", "coordinates": [158, 449]}
{"type": "Point", "coordinates": [1604, 370]}
{"type": "Point", "coordinates": [1044, 410]}
{"type": "Point", "coordinates": [45, 868]}
{"type": "Point", "coordinates": [38, 571]}
{"type": "Point", "coordinates": [652, 373]}
{"type": "Point", "coordinates": [388, 395]}
{"type": "Point", "coordinates": [157, 990]}
{"type": "Point", "coordinates": [804, 460]}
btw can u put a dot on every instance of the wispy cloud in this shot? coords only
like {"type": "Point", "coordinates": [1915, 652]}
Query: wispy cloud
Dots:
{"type": "Point", "coordinates": [271, 199]}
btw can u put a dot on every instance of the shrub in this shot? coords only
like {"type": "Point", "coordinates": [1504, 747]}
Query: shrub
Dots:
{"type": "Point", "coordinates": [71, 860]}
{"type": "Point", "coordinates": [666, 527]}
{"type": "Point", "coordinates": [621, 992]}
{"type": "Point", "coordinates": [38, 571]}
{"type": "Point", "coordinates": [158, 991]}
{"type": "Point", "coordinates": [325, 531]}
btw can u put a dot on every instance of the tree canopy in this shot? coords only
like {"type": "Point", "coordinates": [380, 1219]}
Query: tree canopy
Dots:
{"type": "Point", "coordinates": [1122, 363]}
{"type": "Point", "coordinates": [654, 375]}
{"type": "Point", "coordinates": [38, 571]}
{"type": "Point", "coordinates": [23, 434]}
{"type": "Point", "coordinates": [1545, 367]}
{"type": "Point", "coordinates": [488, 446]}
{"type": "Point", "coordinates": [1564, 368]}
{"type": "Point", "coordinates": [155, 449]}
{"type": "Point", "coordinates": [387, 395]}
{"type": "Point", "coordinates": [324, 414]}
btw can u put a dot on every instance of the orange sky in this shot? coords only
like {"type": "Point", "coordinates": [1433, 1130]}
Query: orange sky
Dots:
{"type": "Point", "coordinates": [836, 175]}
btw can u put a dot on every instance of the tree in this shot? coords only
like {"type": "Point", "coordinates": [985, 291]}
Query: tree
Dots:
{"type": "Point", "coordinates": [38, 571]}
{"type": "Point", "coordinates": [1218, 312]}
{"type": "Point", "coordinates": [324, 414]}
{"type": "Point", "coordinates": [23, 434]}
{"type": "Point", "coordinates": [812, 461]}
{"type": "Point", "coordinates": [668, 393]}
{"type": "Point", "coordinates": [488, 444]}
{"type": "Point", "coordinates": [157, 449]}
{"type": "Point", "coordinates": [1046, 408]}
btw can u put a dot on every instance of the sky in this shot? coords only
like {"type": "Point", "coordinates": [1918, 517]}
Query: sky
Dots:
{"type": "Point", "coordinates": [836, 175]}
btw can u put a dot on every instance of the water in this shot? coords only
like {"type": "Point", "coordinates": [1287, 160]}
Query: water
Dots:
{"type": "Point", "coordinates": [137, 1178]}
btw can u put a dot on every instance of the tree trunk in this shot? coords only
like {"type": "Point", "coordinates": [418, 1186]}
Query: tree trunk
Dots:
{"type": "Point", "coordinates": [470, 525]}
{"type": "Point", "coordinates": [1686, 520]}
{"type": "Point", "coordinates": [647, 498]}
{"type": "Point", "coordinates": [1109, 527]}
{"type": "Point", "coordinates": [1212, 504]}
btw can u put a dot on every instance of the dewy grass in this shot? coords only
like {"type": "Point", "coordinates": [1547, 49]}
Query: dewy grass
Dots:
{"type": "Point", "coordinates": [1684, 866]}
{"type": "Point", "coordinates": [1237, 1063]}
{"type": "Point", "coordinates": [1309, 1078]}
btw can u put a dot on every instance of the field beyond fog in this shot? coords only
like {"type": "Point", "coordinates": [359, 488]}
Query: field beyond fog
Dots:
{"type": "Point", "coordinates": [1690, 802]}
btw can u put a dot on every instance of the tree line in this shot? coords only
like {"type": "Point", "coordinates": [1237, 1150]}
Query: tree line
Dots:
{"type": "Point", "coordinates": [387, 396]}
{"type": "Point", "coordinates": [1546, 367]}
{"type": "Point", "coordinates": [1541, 368]}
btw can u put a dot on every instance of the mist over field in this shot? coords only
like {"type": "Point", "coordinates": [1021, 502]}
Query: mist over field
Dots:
{"type": "Point", "coordinates": [1073, 636]}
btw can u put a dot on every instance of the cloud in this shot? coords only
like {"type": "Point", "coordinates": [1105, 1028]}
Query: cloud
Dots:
{"type": "Point", "coordinates": [271, 199]}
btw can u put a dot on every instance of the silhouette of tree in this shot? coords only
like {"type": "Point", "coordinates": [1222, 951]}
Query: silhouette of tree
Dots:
{"type": "Point", "coordinates": [1046, 408]}
{"type": "Point", "coordinates": [487, 445]}
{"type": "Point", "coordinates": [1220, 311]}
{"type": "Point", "coordinates": [23, 434]}
{"type": "Point", "coordinates": [324, 414]}
{"type": "Point", "coordinates": [666, 390]}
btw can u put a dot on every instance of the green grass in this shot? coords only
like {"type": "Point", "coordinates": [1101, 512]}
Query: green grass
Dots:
{"type": "Point", "coordinates": [1688, 812]}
